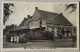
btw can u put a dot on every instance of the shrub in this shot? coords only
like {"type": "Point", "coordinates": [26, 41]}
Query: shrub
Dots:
{"type": "Point", "coordinates": [35, 36]}
{"type": "Point", "coordinates": [41, 36]}
{"type": "Point", "coordinates": [74, 38]}
{"type": "Point", "coordinates": [48, 35]}
{"type": "Point", "coordinates": [23, 39]}
{"type": "Point", "coordinates": [8, 37]}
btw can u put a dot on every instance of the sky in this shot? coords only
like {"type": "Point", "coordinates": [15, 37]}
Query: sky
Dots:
{"type": "Point", "coordinates": [21, 10]}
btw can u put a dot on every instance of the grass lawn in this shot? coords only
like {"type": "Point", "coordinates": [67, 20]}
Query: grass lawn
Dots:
{"type": "Point", "coordinates": [41, 44]}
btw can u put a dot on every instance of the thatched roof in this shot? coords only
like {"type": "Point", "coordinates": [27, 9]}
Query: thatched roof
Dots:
{"type": "Point", "coordinates": [50, 17]}
{"type": "Point", "coordinates": [46, 15]}
{"type": "Point", "coordinates": [59, 20]}
{"type": "Point", "coordinates": [23, 22]}
{"type": "Point", "coordinates": [54, 18]}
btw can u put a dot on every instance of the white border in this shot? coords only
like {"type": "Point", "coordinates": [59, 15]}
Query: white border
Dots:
{"type": "Point", "coordinates": [21, 49]}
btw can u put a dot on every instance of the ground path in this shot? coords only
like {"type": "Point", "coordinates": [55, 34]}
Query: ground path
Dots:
{"type": "Point", "coordinates": [41, 44]}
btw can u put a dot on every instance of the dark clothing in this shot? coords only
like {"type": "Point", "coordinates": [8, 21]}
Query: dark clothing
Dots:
{"type": "Point", "coordinates": [63, 32]}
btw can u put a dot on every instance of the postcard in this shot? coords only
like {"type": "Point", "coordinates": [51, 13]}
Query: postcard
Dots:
{"type": "Point", "coordinates": [40, 25]}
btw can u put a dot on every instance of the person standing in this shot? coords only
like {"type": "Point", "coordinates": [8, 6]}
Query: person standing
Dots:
{"type": "Point", "coordinates": [11, 39]}
{"type": "Point", "coordinates": [53, 35]}
{"type": "Point", "coordinates": [17, 38]}
{"type": "Point", "coordinates": [63, 32]}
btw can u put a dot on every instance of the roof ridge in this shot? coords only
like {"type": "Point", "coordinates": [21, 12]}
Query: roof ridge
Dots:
{"type": "Point", "coordinates": [46, 11]}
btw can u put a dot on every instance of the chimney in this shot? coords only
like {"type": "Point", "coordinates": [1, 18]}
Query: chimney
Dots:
{"type": "Point", "coordinates": [24, 18]}
{"type": "Point", "coordinates": [36, 8]}
{"type": "Point", "coordinates": [28, 16]}
{"type": "Point", "coordinates": [61, 13]}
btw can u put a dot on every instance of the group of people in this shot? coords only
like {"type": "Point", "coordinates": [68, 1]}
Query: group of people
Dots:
{"type": "Point", "coordinates": [14, 39]}
{"type": "Point", "coordinates": [64, 33]}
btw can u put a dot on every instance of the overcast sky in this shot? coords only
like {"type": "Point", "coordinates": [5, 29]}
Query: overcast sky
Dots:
{"type": "Point", "coordinates": [21, 10]}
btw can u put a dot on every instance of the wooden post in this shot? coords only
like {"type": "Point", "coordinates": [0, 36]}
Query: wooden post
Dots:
{"type": "Point", "coordinates": [55, 29]}
{"type": "Point", "coordinates": [47, 28]}
{"type": "Point", "coordinates": [65, 32]}
{"type": "Point", "coordinates": [72, 31]}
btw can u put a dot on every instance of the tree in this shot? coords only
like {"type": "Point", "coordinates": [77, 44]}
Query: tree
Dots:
{"type": "Point", "coordinates": [12, 26]}
{"type": "Point", "coordinates": [73, 6]}
{"type": "Point", "coordinates": [7, 11]}
{"type": "Point", "coordinates": [9, 27]}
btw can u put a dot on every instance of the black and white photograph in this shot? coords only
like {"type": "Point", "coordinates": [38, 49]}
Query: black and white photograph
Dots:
{"type": "Point", "coordinates": [40, 25]}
